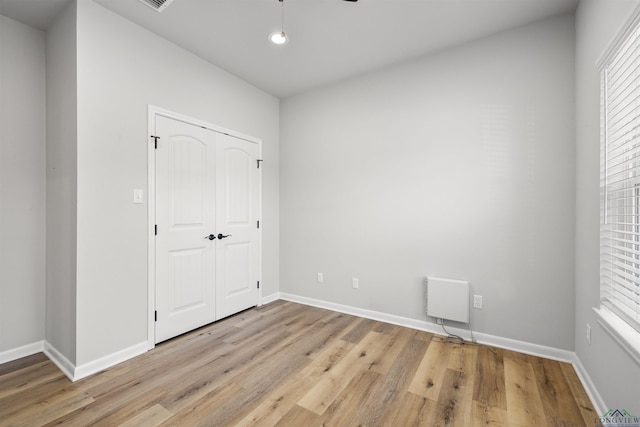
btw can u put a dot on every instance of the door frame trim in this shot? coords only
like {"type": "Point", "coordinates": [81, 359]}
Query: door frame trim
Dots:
{"type": "Point", "coordinates": [152, 113]}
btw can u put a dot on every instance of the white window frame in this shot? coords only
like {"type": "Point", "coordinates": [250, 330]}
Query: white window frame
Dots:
{"type": "Point", "coordinates": [619, 310]}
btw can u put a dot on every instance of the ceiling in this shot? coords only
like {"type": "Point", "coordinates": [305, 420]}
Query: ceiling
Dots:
{"type": "Point", "coordinates": [35, 13]}
{"type": "Point", "coordinates": [330, 40]}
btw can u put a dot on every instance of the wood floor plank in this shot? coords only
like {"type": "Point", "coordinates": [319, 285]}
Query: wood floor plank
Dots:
{"type": "Point", "coordinates": [185, 351]}
{"type": "Point", "coordinates": [344, 409]}
{"type": "Point", "coordinates": [523, 399]}
{"type": "Point", "coordinates": [463, 357]}
{"type": "Point", "coordinates": [298, 416]}
{"type": "Point", "coordinates": [322, 394]}
{"type": "Point", "coordinates": [372, 406]}
{"type": "Point", "coordinates": [201, 383]}
{"type": "Point", "coordinates": [385, 328]}
{"type": "Point", "coordinates": [28, 377]}
{"type": "Point", "coordinates": [257, 384]}
{"type": "Point", "coordinates": [289, 364]}
{"type": "Point", "coordinates": [18, 403]}
{"type": "Point", "coordinates": [251, 371]}
{"type": "Point", "coordinates": [47, 410]}
{"type": "Point", "coordinates": [430, 376]}
{"type": "Point", "coordinates": [267, 318]}
{"type": "Point", "coordinates": [489, 383]}
{"type": "Point", "coordinates": [397, 341]}
{"type": "Point", "coordinates": [201, 411]}
{"type": "Point", "coordinates": [483, 415]}
{"type": "Point", "coordinates": [158, 375]}
{"type": "Point", "coordinates": [111, 411]}
{"type": "Point", "coordinates": [579, 394]}
{"type": "Point", "coordinates": [16, 365]}
{"type": "Point", "coordinates": [334, 326]}
{"type": "Point", "coordinates": [413, 410]}
{"type": "Point", "coordinates": [387, 393]}
{"type": "Point", "coordinates": [282, 400]}
{"type": "Point", "coordinates": [228, 405]}
{"type": "Point", "coordinates": [276, 406]}
{"type": "Point", "coordinates": [361, 328]}
{"type": "Point", "coordinates": [559, 405]}
{"type": "Point", "coordinates": [248, 333]}
{"type": "Point", "coordinates": [454, 402]}
{"type": "Point", "coordinates": [152, 417]}
{"type": "Point", "coordinates": [267, 307]}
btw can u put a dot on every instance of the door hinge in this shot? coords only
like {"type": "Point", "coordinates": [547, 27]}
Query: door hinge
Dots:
{"type": "Point", "coordinates": [258, 224]}
{"type": "Point", "coordinates": [258, 162]}
{"type": "Point", "coordinates": [155, 141]}
{"type": "Point", "coordinates": [155, 316]}
{"type": "Point", "coordinates": [258, 284]}
{"type": "Point", "coordinates": [156, 229]}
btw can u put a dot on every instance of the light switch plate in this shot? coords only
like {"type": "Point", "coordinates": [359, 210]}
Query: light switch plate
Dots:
{"type": "Point", "coordinates": [138, 196]}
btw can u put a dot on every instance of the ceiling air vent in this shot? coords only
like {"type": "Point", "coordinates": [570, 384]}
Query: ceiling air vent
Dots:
{"type": "Point", "coordinates": [158, 5]}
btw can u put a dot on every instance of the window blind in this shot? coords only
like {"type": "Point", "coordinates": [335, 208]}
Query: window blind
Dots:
{"type": "Point", "coordinates": [620, 181]}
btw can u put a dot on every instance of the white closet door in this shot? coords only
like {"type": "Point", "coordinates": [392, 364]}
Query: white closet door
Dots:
{"type": "Point", "coordinates": [237, 211]}
{"type": "Point", "coordinates": [207, 243]}
{"type": "Point", "coordinates": [185, 214]}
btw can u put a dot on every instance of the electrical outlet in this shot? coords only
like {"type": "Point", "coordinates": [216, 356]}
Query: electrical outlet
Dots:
{"type": "Point", "coordinates": [477, 301]}
{"type": "Point", "coordinates": [320, 278]}
{"type": "Point", "coordinates": [589, 334]}
{"type": "Point", "coordinates": [440, 321]}
{"type": "Point", "coordinates": [355, 283]}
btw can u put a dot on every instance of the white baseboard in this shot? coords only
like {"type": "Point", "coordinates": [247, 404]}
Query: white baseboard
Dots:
{"type": "Point", "coordinates": [60, 360]}
{"type": "Point", "coordinates": [596, 399]}
{"type": "Point", "coordinates": [270, 298]}
{"type": "Point", "coordinates": [113, 359]}
{"type": "Point", "coordinates": [423, 325]}
{"type": "Point", "coordinates": [20, 352]}
{"type": "Point", "coordinates": [525, 347]}
{"type": "Point", "coordinates": [75, 373]}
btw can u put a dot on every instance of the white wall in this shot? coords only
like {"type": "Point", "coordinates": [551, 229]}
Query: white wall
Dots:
{"type": "Point", "coordinates": [460, 165]}
{"type": "Point", "coordinates": [22, 184]}
{"type": "Point", "coordinates": [121, 69]}
{"type": "Point", "coordinates": [615, 374]}
{"type": "Point", "coordinates": [61, 175]}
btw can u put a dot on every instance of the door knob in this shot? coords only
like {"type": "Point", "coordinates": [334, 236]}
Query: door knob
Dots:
{"type": "Point", "coordinates": [210, 236]}
{"type": "Point", "coordinates": [222, 236]}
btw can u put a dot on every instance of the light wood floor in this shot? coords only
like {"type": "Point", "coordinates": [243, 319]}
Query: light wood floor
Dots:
{"type": "Point", "coordinates": [288, 364]}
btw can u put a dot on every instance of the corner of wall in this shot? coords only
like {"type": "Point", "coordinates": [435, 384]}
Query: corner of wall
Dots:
{"type": "Point", "coordinates": [594, 395]}
{"type": "Point", "coordinates": [61, 177]}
